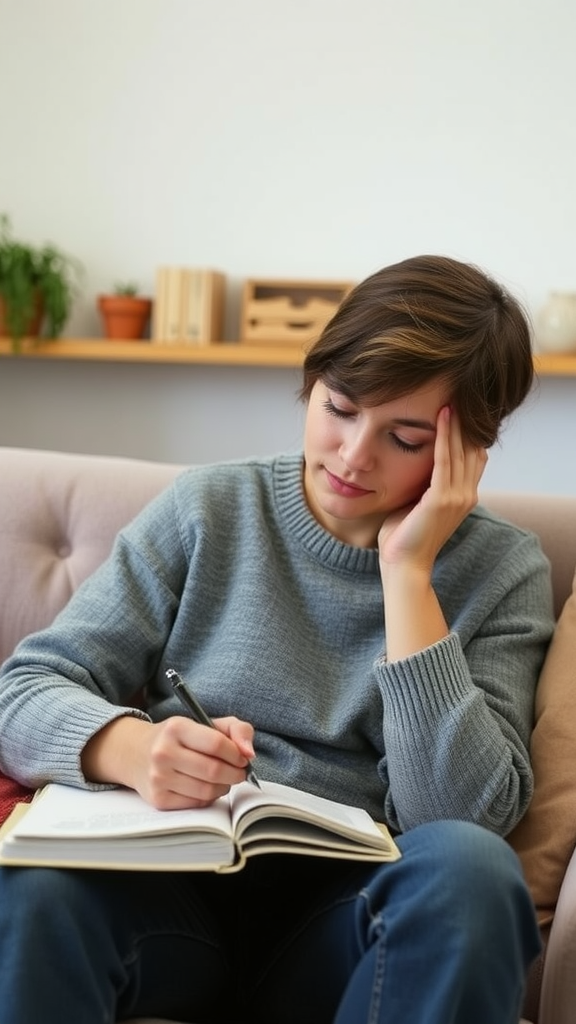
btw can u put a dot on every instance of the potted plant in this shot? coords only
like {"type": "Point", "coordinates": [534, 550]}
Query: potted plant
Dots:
{"type": "Point", "coordinates": [125, 313]}
{"type": "Point", "coordinates": [37, 287]}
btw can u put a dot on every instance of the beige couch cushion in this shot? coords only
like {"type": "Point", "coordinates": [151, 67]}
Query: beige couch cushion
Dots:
{"type": "Point", "coordinates": [59, 514]}
{"type": "Point", "coordinates": [546, 836]}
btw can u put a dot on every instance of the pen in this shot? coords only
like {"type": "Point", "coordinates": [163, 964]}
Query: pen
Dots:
{"type": "Point", "coordinates": [198, 714]}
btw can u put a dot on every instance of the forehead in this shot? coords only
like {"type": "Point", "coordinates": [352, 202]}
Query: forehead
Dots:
{"type": "Point", "coordinates": [422, 402]}
{"type": "Point", "coordinates": [430, 397]}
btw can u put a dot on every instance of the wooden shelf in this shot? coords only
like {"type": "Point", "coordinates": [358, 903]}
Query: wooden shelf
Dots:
{"type": "Point", "coordinates": [559, 365]}
{"type": "Point", "coordinates": [223, 353]}
{"type": "Point", "coordinates": [219, 353]}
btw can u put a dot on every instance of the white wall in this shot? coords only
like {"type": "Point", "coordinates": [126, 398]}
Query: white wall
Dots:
{"type": "Point", "coordinates": [320, 138]}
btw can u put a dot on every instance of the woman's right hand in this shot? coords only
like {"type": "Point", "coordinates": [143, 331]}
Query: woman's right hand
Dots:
{"type": "Point", "coordinates": [173, 764]}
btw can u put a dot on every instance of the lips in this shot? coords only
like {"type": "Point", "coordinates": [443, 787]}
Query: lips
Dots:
{"type": "Point", "coordinates": [343, 488]}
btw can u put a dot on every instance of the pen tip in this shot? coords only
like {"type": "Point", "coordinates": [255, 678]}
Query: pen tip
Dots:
{"type": "Point", "coordinates": [251, 777]}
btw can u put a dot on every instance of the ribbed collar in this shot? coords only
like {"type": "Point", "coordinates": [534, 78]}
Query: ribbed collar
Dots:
{"type": "Point", "coordinates": [304, 528]}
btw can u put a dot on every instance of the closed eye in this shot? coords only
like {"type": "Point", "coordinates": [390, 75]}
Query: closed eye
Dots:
{"type": "Point", "coordinates": [342, 414]}
{"type": "Point", "coordinates": [346, 414]}
{"type": "Point", "coordinates": [404, 446]}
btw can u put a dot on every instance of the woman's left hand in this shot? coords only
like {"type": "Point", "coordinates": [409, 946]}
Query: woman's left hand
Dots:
{"type": "Point", "coordinates": [414, 535]}
{"type": "Point", "coordinates": [410, 539]}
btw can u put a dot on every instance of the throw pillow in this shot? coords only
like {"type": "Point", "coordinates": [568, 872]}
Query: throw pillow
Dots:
{"type": "Point", "coordinates": [11, 793]}
{"type": "Point", "coordinates": [546, 836]}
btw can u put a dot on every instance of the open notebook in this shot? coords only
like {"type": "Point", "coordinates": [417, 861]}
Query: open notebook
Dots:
{"type": "Point", "coordinates": [116, 828]}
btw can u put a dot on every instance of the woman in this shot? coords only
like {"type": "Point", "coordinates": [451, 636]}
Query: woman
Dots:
{"type": "Point", "coordinates": [354, 619]}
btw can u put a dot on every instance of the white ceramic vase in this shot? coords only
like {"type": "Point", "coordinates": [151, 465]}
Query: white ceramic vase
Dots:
{"type": "Point", "coordinates": [556, 323]}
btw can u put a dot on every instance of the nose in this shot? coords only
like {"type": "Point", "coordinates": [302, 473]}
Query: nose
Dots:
{"type": "Point", "coordinates": [357, 450]}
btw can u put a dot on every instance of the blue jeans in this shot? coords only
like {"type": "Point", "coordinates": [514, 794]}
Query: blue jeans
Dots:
{"type": "Point", "coordinates": [443, 936]}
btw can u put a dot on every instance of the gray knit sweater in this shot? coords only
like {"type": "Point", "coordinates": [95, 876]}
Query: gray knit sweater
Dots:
{"type": "Point", "coordinates": [228, 578]}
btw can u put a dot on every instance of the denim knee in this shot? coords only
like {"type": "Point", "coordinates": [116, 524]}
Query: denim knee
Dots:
{"type": "Point", "coordinates": [471, 856]}
{"type": "Point", "coordinates": [447, 931]}
{"type": "Point", "coordinates": [466, 878]}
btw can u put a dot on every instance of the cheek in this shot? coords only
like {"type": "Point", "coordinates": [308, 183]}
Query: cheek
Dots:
{"type": "Point", "coordinates": [412, 473]}
{"type": "Point", "coordinates": [321, 432]}
{"type": "Point", "coordinates": [419, 474]}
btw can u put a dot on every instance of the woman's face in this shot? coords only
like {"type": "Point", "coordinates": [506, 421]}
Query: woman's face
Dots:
{"type": "Point", "coordinates": [361, 462]}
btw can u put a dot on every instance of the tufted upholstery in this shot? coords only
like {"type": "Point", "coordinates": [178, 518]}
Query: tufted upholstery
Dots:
{"type": "Point", "coordinates": [59, 514]}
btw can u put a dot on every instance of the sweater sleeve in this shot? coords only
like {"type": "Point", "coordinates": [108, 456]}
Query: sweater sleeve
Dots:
{"type": "Point", "coordinates": [65, 683]}
{"type": "Point", "coordinates": [458, 715]}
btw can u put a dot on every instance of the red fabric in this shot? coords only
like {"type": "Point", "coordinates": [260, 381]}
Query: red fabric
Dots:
{"type": "Point", "coordinates": [12, 793]}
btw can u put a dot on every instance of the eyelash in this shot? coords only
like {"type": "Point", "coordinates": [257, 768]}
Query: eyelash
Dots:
{"type": "Point", "coordinates": [341, 414]}
{"type": "Point", "coordinates": [335, 411]}
{"type": "Point", "coordinates": [411, 449]}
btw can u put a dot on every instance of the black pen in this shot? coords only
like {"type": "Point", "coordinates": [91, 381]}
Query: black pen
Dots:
{"type": "Point", "coordinates": [198, 714]}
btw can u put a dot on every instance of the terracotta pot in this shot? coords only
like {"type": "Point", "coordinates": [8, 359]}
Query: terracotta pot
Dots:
{"type": "Point", "coordinates": [124, 317]}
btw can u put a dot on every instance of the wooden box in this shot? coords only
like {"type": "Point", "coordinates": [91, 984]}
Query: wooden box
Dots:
{"type": "Point", "coordinates": [189, 306]}
{"type": "Point", "coordinates": [288, 312]}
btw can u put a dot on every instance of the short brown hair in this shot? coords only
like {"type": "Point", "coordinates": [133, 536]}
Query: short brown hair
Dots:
{"type": "Point", "coordinates": [429, 317]}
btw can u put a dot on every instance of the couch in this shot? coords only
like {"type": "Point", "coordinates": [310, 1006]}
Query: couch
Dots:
{"type": "Point", "coordinates": [58, 516]}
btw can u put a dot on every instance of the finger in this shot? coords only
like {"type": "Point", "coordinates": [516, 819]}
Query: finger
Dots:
{"type": "Point", "coordinates": [458, 461]}
{"type": "Point", "coordinates": [185, 791]}
{"type": "Point", "coordinates": [241, 733]}
{"type": "Point", "coordinates": [217, 742]}
{"type": "Point", "coordinates": [467, 462]}
{"type": "Point", "coordinates": [194, 781]}
{"type": "Point", "coordinates": [204, 777]}
{"type": "Point", "coordinates": [476, 464]}
{"type": "Point", "coordinates": [199, 752]}
{"type": "Point", "coordinates": [441, 470]}
{"type": "Point", "coordinates": [195, 775]}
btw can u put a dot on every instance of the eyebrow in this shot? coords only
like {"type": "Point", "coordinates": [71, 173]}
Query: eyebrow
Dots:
{"type": "Point", "coordinates": [419, 424]}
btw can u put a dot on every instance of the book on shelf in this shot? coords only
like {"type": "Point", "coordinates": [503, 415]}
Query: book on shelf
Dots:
{"type": "Point", "coordinates": [159, 323]}
{"type": "Point", "coordinates": [189, 306]}
{"type": "Point", "coordinates": [117, 829]}
{"type": "Point", "coordinates": [203, 306]}
{"type": "Point", "coordinates": [173, 311]}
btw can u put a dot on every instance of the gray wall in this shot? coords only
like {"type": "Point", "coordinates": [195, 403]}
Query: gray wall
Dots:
{"type": "Point", "coordinates": [319, 138]}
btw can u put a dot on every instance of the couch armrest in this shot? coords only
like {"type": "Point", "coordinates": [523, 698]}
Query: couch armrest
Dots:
{"type": "Point", "coordinates": [558, 998]}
